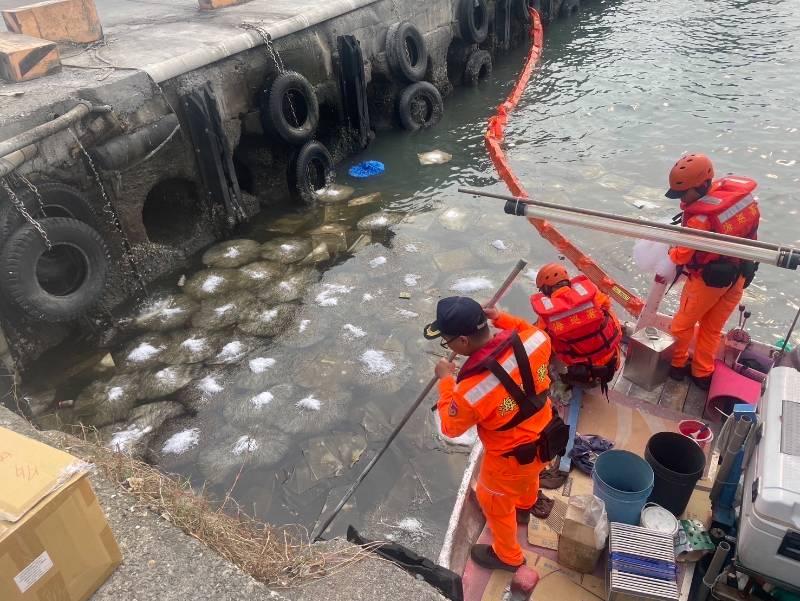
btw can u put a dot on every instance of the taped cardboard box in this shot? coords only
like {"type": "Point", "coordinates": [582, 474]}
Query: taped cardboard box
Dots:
{"type": "Point", "coordinates": [55, 542]}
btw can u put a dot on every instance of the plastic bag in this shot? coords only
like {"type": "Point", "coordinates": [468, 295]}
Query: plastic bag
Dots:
{"type": "Point", "coordinates": [653, 257]}
{"type": "Point", "coordinates": [590, 511]}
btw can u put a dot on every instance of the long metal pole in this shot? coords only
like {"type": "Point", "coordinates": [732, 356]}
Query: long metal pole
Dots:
{"type": "Point", "coordinates": [492, 302]}
{"type": "Point", "coordinates": [785, 256]}
{"type": "Point", "coordinates": [618, 218]}
{"type": "Point", "coordinates": [16, 159]}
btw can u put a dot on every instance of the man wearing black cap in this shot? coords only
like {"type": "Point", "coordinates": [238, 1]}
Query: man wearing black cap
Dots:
{"type": "Point", "coordinates": [502, 389]}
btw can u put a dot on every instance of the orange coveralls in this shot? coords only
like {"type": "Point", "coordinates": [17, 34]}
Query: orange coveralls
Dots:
{"type": "Point", "coordinates": [503, 483]}
{"type": "Point", "coordinates": [711, 307]}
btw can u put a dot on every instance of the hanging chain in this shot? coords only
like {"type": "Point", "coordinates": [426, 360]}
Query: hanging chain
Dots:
{"type": "Point", "coordinates": [108, 209]}
{"type": "Point", "coordinates": [20, 206]}
{"type": "Point", "coordinates": [35, 191]}
{"type": "Point", "coordinates": [272, 53]}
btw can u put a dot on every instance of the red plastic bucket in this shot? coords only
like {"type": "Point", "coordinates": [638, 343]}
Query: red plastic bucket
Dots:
{"type": "Point", "coordinates": [690, 429]}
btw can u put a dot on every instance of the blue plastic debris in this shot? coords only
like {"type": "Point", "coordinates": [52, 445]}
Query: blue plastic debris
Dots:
{"type": "Point", "coordinates": [366, 169]}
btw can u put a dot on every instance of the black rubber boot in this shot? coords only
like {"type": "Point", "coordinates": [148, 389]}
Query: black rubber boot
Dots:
{"type": "Point", "coordinates": [678, 373]}
{"type": "Point", "coordinates": [703, 383]}
{"type": "Point", "coordinates": [485, 557]}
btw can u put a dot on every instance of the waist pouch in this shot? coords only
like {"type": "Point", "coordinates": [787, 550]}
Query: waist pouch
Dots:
{"type": "Point", "coordinates": [553, 439]}
{"type": "Point", "coordinates": [720, 274]}
{"type": "Point", "coordinates": [748, 270]}
{"type": "Point", "coordinates": [552, 442]}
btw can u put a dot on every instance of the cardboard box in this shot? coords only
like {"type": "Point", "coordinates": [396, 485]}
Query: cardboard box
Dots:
{"type": "Point", "coordinates": [577, 544]}
{"type": "Point", "coordinates": [55, 542]}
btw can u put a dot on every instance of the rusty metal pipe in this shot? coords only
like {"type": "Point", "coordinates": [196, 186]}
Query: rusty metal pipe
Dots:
{"type": "Point", "coordinates": [13, 161]}
{"type": "Point", "coordinates": [45, 130]}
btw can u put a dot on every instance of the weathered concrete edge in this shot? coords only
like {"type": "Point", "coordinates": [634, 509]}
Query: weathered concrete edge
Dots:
{"type": "Point", "coordinates": [185, 63]}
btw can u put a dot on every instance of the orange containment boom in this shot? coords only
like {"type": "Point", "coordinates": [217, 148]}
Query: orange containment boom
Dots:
{"type": "Point", "coordinates": [494, 138]}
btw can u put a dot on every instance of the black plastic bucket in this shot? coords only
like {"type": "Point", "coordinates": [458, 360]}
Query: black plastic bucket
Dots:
{"type": "Point", "coordinates": [677, 463]}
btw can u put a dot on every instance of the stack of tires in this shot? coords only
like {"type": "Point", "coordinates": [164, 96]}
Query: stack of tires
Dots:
{"type": "Point", "coordinates": [419, 104]}
{"type": "Point", "coordinates": [66, 280]}
{"type": "Point", "coordinates": [473, 26]}
{"type": "Point", "coordinates": [290, 111]}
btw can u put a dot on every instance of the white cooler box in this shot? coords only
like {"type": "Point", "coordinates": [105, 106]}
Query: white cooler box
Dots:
{"type": "Point", "coordinates": [769, 524]}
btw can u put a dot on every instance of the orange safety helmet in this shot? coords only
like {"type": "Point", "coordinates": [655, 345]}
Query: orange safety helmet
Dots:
{"type": "Point", "coordinates": [691, 171]}
{"type": "Point", "coordinates": [551, 274]}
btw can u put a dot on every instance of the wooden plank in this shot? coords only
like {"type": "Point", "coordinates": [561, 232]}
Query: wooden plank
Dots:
{"type": "Point", "coordinates": [695, 401]}
{"type": "Point", "coordinates": [673, 395]}
{"type": "Point", "coordinates": [73, 21]}
{"type": "Point", "coordinates": [23, 58]}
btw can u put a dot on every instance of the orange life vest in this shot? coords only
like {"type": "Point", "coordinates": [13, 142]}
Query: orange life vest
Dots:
{"type": "Point", "coordinates": [504, 424]}
{"type": "Point", "coordinates": [729, 208]}
{"type": "Point", "coordinates": [582, 331]}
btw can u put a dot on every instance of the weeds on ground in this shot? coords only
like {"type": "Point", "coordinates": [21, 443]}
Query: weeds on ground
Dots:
{"type": "Point", "coordinates": [279, 556]}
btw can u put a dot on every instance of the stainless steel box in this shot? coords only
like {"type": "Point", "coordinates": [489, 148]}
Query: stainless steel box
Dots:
{"type": "Point", "coordinates": [648, 357]}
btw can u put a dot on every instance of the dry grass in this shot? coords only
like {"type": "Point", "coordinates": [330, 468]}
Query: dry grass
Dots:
{"type": "Point", "coordinates": [279, 556]}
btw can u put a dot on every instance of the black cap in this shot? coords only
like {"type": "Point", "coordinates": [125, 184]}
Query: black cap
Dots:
{"type": "Point", "coordinates": [456, 316]}
{"type": "Point", "coordinates": [675, 193]}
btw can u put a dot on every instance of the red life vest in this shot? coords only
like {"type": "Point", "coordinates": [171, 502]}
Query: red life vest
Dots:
{"type": "Point", "coordinates": [580, 329]}
{"type": "Point", "coordinates": [728, 208]}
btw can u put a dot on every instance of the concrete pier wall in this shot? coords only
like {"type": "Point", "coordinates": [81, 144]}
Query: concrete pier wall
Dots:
{"type": "Point", "coordinates": [165, 210]}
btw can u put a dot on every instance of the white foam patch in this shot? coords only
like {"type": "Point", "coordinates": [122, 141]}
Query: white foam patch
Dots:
{"type": "Point", "coordinates": [210, 385]}
{"type": "Point", "coordinates": [531, 274]}
{"type": "Point", "coordinates": [257, 274]}
{"type": "Point", "coordinates": [211, 283]}
{"type": "Point", "coordinates": [411, 525]}
{"type": "Point", "coordinates": [499, 245]}
{"type": "Point", "coordinates": [406, 314]}
{"type": "Point", "coordinates": [231, 350]}
{"type": "Point", "coordinates": [367, 297]}
{"type": "Point", "coordinates": [309, 403]}
{"type": "Point", "coordinates": [224, 308]}
{"type": "Point", "coordinates": [261, 364]}
{"type": "Point", "coordinates": [352, 332]}
{"type": "Point", "coordinates": [472, 284]}
{"type": "Point", "coordinates": [287, 248]}
{"type": "Point", "coordinates": [159, 308]}
{"type": "Point", "coordinates": [262, 399]}
{"type": "Point", "coordinates": [245, 444]}
{"type": "Point", "coordinates": [180, 442]}
{"type": "Point", "coordinates": [122, 441]}
{"type": "Point", "coordinates": [329, 297]}
{"type": "Point", "coordinates": [268, 315]}
{"type": "Point", "coordinates": [143, 352]}
{"type": "Point", "coordinates": [411, 248]}
{"type": "Point", "coordinates": [376, 362]}
{"type": "Point", "coordinates": [303, 326]}
{"type": "Point", "coordinates": [377, 262]}
{"type": "Point", "coordinates": [232, 253]}
{"type": "Point", "coordinates": [115, 393]}
{"type": "Point", "coordinates": [195, 345]}
{"type": "Point", "coordinates": [284, 285]}
{"type": "Point", "coordinates": [411, 279]}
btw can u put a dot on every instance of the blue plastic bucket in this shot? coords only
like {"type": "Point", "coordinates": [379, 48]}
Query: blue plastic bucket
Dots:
{"type": "Point", "coordinates": [623, 481]}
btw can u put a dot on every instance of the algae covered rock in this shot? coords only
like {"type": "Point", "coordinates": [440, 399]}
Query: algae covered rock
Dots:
{"type": "Point", "coordinates": [221, 457]}
{"type": "Point", "coordinates": [267, 322]}
{"type": "Point", "coordinates": [232, 351]}
{"type": "Point", "coordinates": [232, 253]}
{"type": "Point", "coordinates": [209, 283]}
{"type": "Point", "coordinates": [259, 372]}
{"type": "Point", "coordinates": [291, 287]}
{"type": "Point", "coordinates": [165, 313]}
{"type": "Point", "coordinates": [133, 436]}
{"type": "Point", "coordinates": [106, 402]}
{"type": "Point", "coordinates": [501, 250]}
{"type": "Point", "coordinates": [260, 274]}
{"type": "Point", "coordinates": [192, 346]}
{"type": "Point", "coordinates": [223, 311]}
{"type": "Point", "coordinates": [286, 250]}
{"type": "Point", "coordinates": [378, 222]}
{"type": "Point", "coordinates": [384, 369]}
{"type": "Point", "coordinates": [143, 352]}
{"type": "Point", "coordinates": [334, 193]}
{"type": "Point", "coordinates": [166, 381]}
{"type": "Point", "coordinates": [263, 407]}
{"type": "Point", "coordinates": [308, 329]}
{"type": "Point", "coordinates": [313, 411]}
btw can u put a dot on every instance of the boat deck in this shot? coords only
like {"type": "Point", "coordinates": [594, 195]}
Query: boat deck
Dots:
{"type": "Point", "coordinates": [629, 421]}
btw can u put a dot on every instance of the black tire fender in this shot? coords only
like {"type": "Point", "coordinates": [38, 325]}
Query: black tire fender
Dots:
{"type": "Point", "coordinates": [313, 169]}
{"type": "Point", "coordinates": [473, 20]}
{"type": "Point", "coordinates": [58, 200]}
{"type": "Point", "coordinates": [406, 51]}
{"type": "Point", "coordinates": [420, 106]}
{"type": "Point", "coordinates": [290, 109]}
{"type": "Point", "coordinates": [478, 67]}
{"type": "Point", "coordinates": [23, 253]}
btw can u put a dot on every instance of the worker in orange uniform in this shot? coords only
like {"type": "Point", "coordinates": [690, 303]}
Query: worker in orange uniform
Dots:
{"type": "Point", "coordinates": [715, 283]}
{"type": "Point", "coordinates": [584, 330]}
{"type": "Point", "coordinates": [502, 389]}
